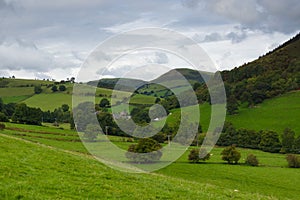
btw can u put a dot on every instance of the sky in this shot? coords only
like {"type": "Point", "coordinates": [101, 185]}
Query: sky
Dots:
{"type": "Point", "coordinates": [52, 39]}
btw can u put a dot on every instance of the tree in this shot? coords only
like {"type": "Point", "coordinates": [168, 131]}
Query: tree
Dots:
{"type": "Point", "coordinates": [3, 117]}
{"type": "Point", "coordinates": [104, 103]}
{"type": "Point", "coordinates": [288, 139]}
{"type": "Point", "coordinates": [27, 115]}
{"type": "Point", "coordinates": [196, 155]}
{"type": "Point", "coordinates": [38, 89]}
{"type": "Point", "coordinates": [251, 160]}
{"type": "Point", "coordinates": [65, 107]}
{"type": "Point", "coordinates": [232, 105]}
{"type": "Point", "coordinates": [230, 154]}
{"type": "Point", "coordinates": [62, 88]}
{"type": "Point", "coordinates": [1, 105]}
{"type": "Point", "coordinates": [270, 142]}
{"type": "Point", "coordinates": [91, 132]}
{"type": "Point", "coordinates": [54, 88]}
{"type": "Point", "coordinates": [296, 148]}
{"type": "Point", "coordinates": [146, 151]}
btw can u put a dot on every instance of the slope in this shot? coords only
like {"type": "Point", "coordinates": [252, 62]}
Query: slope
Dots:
{"type": "Point", "coordinates": [32, 171]}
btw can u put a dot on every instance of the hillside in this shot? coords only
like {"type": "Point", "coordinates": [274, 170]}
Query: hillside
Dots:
{"type": "Point", "coordinates": [270, 75]}
{"type": "Point", "coordinates": [61, 174]}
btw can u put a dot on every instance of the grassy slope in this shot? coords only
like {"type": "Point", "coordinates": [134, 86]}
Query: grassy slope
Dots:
{"type": "Point", "coordinates": [271, 179]}
{"type": "Point", "coordinates": [273, 114]}
{"type": "Point", "coordinates": [32, 171]}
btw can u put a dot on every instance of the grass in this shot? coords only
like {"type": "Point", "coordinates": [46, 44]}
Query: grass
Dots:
{"type": "Point", "coordinates": [16, 91]}
{"type": "Point", "coordinates": [272, 178]}
{"type": "Point", "coordinates": [273, 114]}
{"type": "Point", "coordinates": [33, 171]}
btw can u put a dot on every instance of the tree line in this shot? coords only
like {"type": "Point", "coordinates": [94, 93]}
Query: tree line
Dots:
{"type": "Point", "coordinates": [265, 140]}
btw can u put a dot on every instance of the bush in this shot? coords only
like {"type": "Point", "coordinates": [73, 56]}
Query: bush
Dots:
{"type": "Point", "coordinates": [230, 154]}
{"type": "Point", "coordinates": [251, 160]}
{"type": "Point", "coordinates": [196, 155]}
{"type": "Point", "coordinates": [293, 161]}
{"type": "Point", "coordinates": [38, 89]}
{"type": "Point", "coordinates": [3, 117]}
{"type": "Point", "coordinates": [62, 88]}
{"type": "Point", "coordinates": [2, 126]}
{"type": "Point", "coordinates": [146, 151]}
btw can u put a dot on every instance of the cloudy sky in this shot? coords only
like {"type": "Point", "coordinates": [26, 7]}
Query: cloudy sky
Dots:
{"type": "Point", "coordinates": [51, 39]}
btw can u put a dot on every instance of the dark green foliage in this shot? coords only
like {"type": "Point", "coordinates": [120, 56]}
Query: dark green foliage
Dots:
{"type": "Point", "coordinates": [288, 139]}
{"type": "Point", "coordinates": [160, 137]}
{"type": "Point", "coordinates": [38, 89]}
{"type": "Point", "coordinates": [1, 105]}
{"type": "Point", "coordinates": [91, 131]}
{"type": "Point", "coordinates": [27, 115]}
{"type": "Point", "coordinates": [293, 161]}
{"type": "Point", "coordinates": [65, 107]}
{"type": "Point", "coordinates": [9, 109]}
{"type": "Point", "coordinates": [271, 75]}
{"type": "Point", "coordinates": [296, 147]}
{"type": "Point", "coordinates": [62, 88]}
{"type": "Point", "coordinates": [251, 160]}
{"type": "Point", "coordinates": [196, 155]}
{"type": "Point", "coordinates": [104, 103]}
{"type": "Point", "coordinates": [140, 115]}
{"type": "Point", "coordinates": [229, 136]}
{"type": "Point", "coordinates": [270, 142]}
{"type": "Point", "coordinates": [232, 105]}
{"type": "Point", "coordinates": [146, 151]}
{"type": "Point", "coordinates": [54, 88]}
{"type": "Point", "coordinates": [2, 126]}
{"type": "Point", "coordinates": [231, 155]}
{"type": "Point", "coordinates": [3, 117]}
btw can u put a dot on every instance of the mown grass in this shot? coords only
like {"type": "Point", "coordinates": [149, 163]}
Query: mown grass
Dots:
{"type": "Point", "coordinates": [31, 171]}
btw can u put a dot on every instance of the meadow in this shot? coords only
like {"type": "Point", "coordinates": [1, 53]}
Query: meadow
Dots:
{"type": "Point", "coordinates": [62, 151]}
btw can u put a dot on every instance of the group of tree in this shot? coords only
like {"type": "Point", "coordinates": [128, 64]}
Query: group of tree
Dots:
{"type": "Point", "coordinates": [21, 113]}
{"type": "Point", "coordinates": [60, 88]}
{"type": "Point", "coordinates": [230, 154]}
{"type": "Point", "coordinates": [265, 140]}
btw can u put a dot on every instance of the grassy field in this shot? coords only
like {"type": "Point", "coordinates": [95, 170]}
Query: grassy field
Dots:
{"type": "Point", "coordinates": [211, 180]}
{"type": "Point", "coordinates": [36, 171]}
{"type": "Point", "coordinates": [273, 114]}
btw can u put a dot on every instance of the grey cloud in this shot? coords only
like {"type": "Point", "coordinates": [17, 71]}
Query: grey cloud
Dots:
{"type": "Point", "coordinates": [161, 58]}
{"type": "Point", "coordinates": [212, 37]}
{"type": "Point", "coordinates": [265, 15]}
{"type": "Point", "coordinates": [236, 37]}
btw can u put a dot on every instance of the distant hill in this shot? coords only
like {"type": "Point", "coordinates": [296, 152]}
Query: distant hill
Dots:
{"type": "Point", "coordinates": [126, 84]}
{"type": "Point", "coordinates": [189, 74]}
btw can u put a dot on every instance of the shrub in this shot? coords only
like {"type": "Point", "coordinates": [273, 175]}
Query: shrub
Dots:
{"type": "Point", "coordinates": [230, 154]}
{"type": "Point", "coordinates": [2, 126]}
{"type": "Point", "coordinates": [196, 155]}
{"type": "Point", "coordinates": [293, 161]}
{"type": "Point", "coordinates": [62, 88]}
{"type": "Point", "coordinates": [146, 151]}
{"type": "Point", "coordinates": [251, 160]}
{"type": "Point", "coordinates": [38, 89]}
{"type": "Point", "coordinates": [3, 117]}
